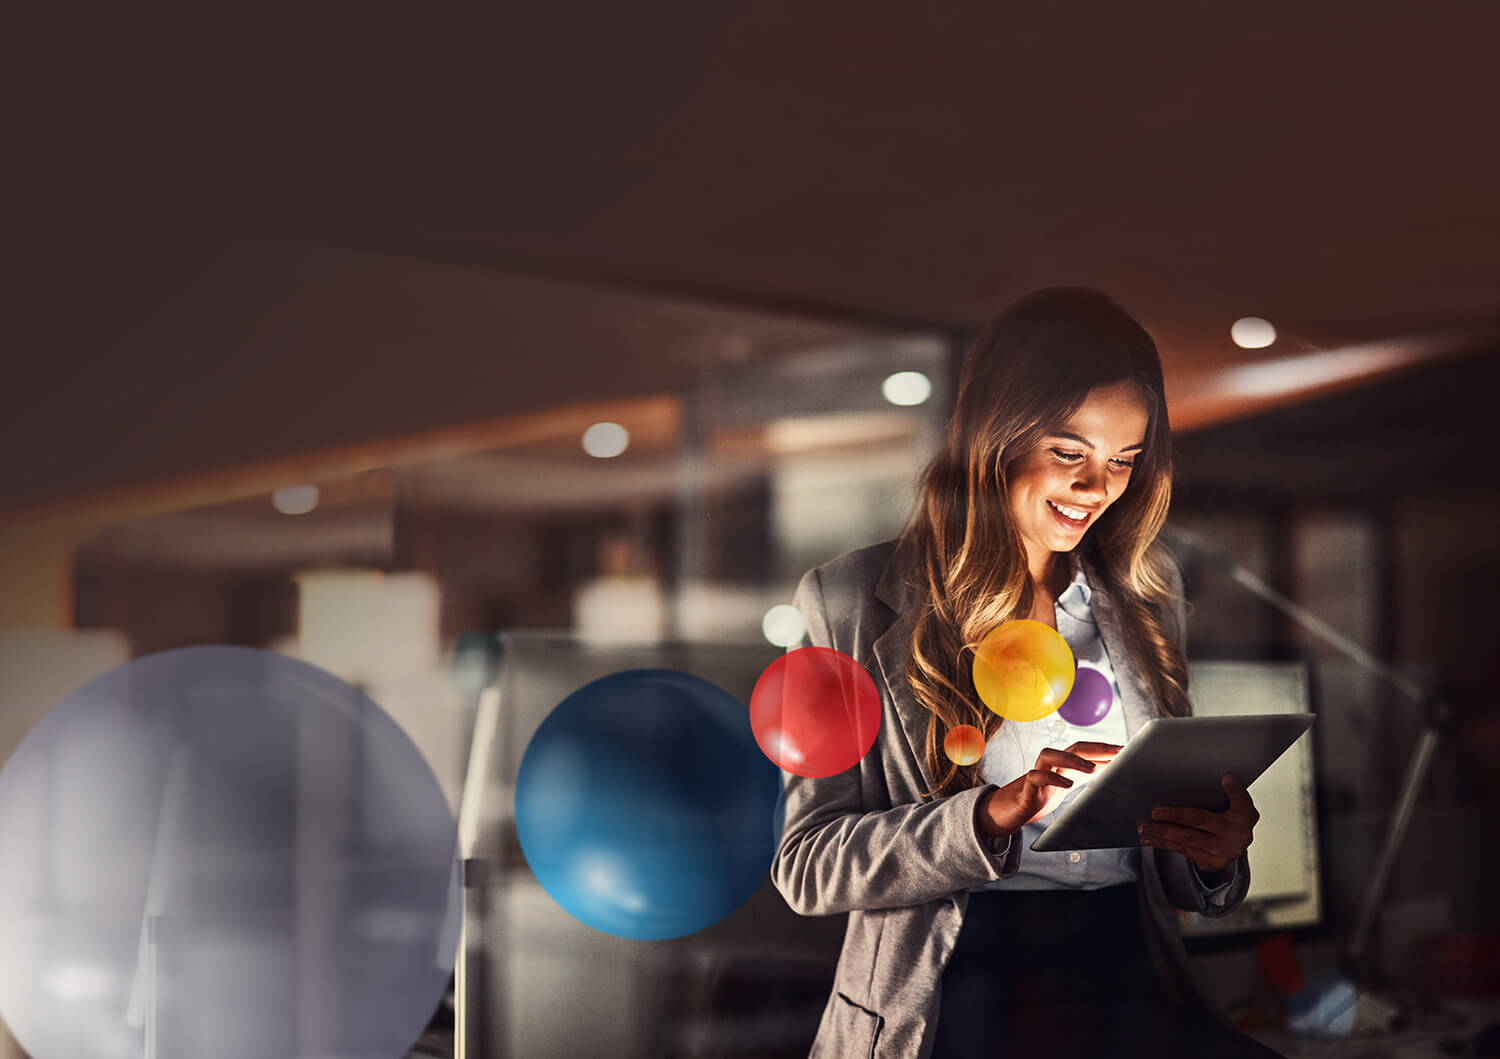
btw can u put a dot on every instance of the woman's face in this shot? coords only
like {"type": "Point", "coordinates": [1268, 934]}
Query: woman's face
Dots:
{"type": "Point", "coordinates": [1060, 488]}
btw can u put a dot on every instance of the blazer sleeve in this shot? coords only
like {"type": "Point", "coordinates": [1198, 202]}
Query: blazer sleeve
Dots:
{"type": "Point", "coordinates": [839, 852]}
{"type": "Point", "coordinates": [1184, 886]}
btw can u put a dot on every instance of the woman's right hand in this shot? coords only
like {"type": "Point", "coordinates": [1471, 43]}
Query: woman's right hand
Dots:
{"type": "Point", "coordinates": [1010, 808]}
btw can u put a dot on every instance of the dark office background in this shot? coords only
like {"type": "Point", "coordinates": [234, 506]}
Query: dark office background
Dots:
{"type": "Point", "coordinates": [412, 262]}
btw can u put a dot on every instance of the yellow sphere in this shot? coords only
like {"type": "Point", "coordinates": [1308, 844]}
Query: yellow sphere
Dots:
{"type": "Point", "coordinates": [1023, 670]}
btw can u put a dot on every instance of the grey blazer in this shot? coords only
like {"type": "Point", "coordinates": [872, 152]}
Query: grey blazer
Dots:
{"type": "Point", "coordinates": [866, 842]}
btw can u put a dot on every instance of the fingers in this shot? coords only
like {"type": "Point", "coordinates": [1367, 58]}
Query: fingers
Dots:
{"type": "Point", "coordinates": [1207, 841]}
{"type": "Point", "coordinates": [1206, 860]}
{"type": "Point", "coordinates": [1210, 840]}
{"type": "Point", "coordinates": [1241, 812]}
{"type": "Point", "coordinates": [1040, 777]}
{"type": "Point", "coordinates": [1201, 847]}
{"type": "Point", "coordinates": [1181, 840]}
{"type": "Point", "coordinates": [1063, 759]}
{"type": "Point", "coordinates": [1239, 799]}
{"type": "Point", "coordinates": [1095, 751]}
{"type": "Point", "coordinates": [1220, 836]}
{"type": "Point", "coordinates": [1203, 819]}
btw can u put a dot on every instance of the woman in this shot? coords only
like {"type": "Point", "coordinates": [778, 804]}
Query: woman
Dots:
{"type": "Point", "coordinates": [1044, 503]}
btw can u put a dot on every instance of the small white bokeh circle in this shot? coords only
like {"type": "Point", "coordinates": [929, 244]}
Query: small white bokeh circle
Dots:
{"type": "Point", "coordinates": [1251, 332]}
{"type": "Point", "coordinates": [605, 440]}
{"type": "Point", "coordinates": [295, 499]}
{"type": "Point", "coordinates": [906, 389]}
{"type": "Point", "coordinates": [783, 625]}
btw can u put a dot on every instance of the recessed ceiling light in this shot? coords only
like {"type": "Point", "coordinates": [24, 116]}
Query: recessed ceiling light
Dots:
{"type": "Point", "coordinates": [906, 388]}
{"type": "Point", "coordinates": [605, 440]}
{"type": "Point", "coordinates": [1251, 332]}
{"type": "Point", "coordinates": [295, 499]}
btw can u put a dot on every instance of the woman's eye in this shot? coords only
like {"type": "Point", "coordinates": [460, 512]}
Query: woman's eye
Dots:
{"type": "Point", "coordinates": [1123, 465]}
{"type": "Point", "coordinates": [1067, 457]}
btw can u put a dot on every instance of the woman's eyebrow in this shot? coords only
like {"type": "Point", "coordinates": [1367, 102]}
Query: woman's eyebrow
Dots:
{"type": "Point", "coordinates": [1089, 444]}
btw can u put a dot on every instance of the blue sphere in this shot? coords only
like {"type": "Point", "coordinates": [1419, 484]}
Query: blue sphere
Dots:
{"type": "Point", "coordinates": [645, 807]}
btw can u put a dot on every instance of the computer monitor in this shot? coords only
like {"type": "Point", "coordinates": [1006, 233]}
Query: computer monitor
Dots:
{"type": "Point", "coordinates": [1285, 891]}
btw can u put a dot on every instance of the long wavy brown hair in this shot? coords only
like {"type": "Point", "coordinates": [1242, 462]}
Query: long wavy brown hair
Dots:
{"type": "Point", "coordinates": [1027, 373]}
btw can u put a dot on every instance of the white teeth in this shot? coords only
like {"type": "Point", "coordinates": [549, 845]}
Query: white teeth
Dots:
{"type": "Point", "coordinates": [1072, 512]}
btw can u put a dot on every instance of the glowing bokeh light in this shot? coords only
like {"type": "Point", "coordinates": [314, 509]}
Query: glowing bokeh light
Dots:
{"type": "Point", "coordinates": [295, 499]}
{"type": "Point", "coordinates": [1251, 332]}
{"type": "Point", "coordinates": [815, 711]}
{"type": "Point", "coordinates": [906, 388]}
{"type": "Point", "coordinates": [783, 625]}
{"type": "Point", "coordinates": [605, 440]}
{"type": "Point", "coordinates": [1023, 670]}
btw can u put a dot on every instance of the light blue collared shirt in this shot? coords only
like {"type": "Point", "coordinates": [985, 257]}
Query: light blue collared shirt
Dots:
{"type": "Point", "coordinates": [1013, 751]}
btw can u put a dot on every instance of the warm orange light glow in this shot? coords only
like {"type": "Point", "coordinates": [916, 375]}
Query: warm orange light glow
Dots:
{"type": "Point", "coordinates": [964, 744]}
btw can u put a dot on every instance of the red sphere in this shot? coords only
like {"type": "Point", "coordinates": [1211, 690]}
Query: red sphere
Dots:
{"type": "Point", "coordinates": [815, 711]}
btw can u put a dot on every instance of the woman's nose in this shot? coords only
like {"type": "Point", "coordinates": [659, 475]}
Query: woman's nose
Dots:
{"type": "Point", "coordinates": [1091, 483]}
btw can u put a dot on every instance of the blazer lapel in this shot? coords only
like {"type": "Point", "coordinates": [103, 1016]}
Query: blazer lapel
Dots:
{"type": "Point", "coordinates": [892, 649]}
{"type": "Point", "coordinates": [1135, 698]}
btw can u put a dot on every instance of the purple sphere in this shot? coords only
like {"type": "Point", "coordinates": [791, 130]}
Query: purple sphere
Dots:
{"type": "Point", "coordinates": [1090, 699]}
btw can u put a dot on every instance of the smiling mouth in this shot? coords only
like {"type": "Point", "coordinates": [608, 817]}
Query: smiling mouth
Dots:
{"type": "Point", "coordinates": [1073, 517]}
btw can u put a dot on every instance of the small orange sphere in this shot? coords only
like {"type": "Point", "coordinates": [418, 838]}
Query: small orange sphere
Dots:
{"type": "Point", "coordinates": [963, 744]}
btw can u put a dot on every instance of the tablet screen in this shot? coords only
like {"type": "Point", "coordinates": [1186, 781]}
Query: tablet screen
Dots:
{"type": "Point", "coordinates": [1170, 761]}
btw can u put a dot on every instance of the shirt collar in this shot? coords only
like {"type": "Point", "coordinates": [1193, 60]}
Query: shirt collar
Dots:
{"type": "Point", "coordinates": [1078, 589]}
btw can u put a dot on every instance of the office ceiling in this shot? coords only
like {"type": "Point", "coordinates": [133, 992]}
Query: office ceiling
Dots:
{"type": "Point", "coordinates": [838, 166]}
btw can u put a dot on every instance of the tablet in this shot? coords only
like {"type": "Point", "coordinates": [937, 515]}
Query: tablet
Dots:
{"type": "Point", "coordinates": [1170, 761]}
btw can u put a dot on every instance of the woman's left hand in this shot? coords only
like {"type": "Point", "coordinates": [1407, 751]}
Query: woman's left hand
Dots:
{"type": "Point", "coordinates": [1212, 841]}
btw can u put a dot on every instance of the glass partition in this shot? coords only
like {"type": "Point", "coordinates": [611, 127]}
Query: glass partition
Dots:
{"type": "Point", "coordinates": [535, 981]}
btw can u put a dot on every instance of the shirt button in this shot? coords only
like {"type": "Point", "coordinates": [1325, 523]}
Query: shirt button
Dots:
{"type": "Point", "coordinates": [1074, 857]}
